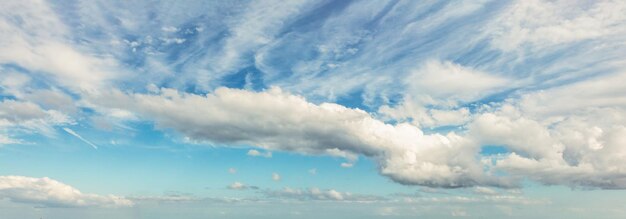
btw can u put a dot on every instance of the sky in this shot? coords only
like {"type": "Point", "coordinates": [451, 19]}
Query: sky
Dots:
{"type": "Point", "coordinates": [312, 109]}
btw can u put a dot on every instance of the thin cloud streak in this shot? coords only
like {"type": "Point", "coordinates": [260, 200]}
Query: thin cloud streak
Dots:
{"type": "Point", "coordinates": [72, 132]}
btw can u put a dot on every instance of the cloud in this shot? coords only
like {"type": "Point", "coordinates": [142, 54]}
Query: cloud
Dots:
{"type": "Point", "coordinates": [548, 151]}
{"type": "Point", "coordinates": [447, 83]}
{"type": "Point", "coordinates": [316, 194]}
{"type": "Point", "coordinates": [485, 191]}
{"type": "Point", "coordinates": [276, 177]}
{"type": "Point", "coordinates": [312, 171]}
{"type": "Point", "coordinates": [232, 170]}
{"type": "Point", "coordinates": [542, 80]}
{"type": "Point", "coordinates": [72, 132]}
{"type": "Point", "coordinates": [347, 165]}
{"type": "Point", "coordinates": [257, 26]}
{"type": "Point", "coordinates": [237, 186]}
{"type": "Point", "coordinates": [276, 120]}
{"type": "Point", "coordinates": [543, 24]}
{"type": "Point", "coordinates": [459, 213]}
{"type": "Point", "coordinates": [38, 44]}
{"type": "Point", "coordinates": [435, 91]}
{"type": "Point", "coordinates": [491, 199]}
{"type": "Point", "coordinates": [256, 153]}
{"type": "Point", "coordinates": [4, 139]}
{"type": "Point", "coordinates": [578, 150]}
{"type": "Point", "coordinates": [30, 117]}
{"type": "Point", "coordinates": [241, 186]}
{"type": "Point", "coordinates": [46, 192]}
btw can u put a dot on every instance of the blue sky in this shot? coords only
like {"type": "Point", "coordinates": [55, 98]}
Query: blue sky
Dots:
{"type": "Point", "coordinates": [309, 109]}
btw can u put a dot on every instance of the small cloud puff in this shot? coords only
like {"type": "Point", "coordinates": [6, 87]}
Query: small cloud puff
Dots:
{"type": "Point", "coordinates": [256, 153]}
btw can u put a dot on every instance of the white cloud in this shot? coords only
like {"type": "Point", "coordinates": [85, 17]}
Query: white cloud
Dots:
{"type": "Point", "coordinates": [232, 170]}
{"type": "Point", "coordinates": [38, 43]}
{"type": "Point", "coordinates": [241, 186]}
{"type": "Point", "coordinates": [485, 191]}
{"type": "Point", "coordinates": [435, 90]}
{"type": "Point", "coordinates": [256, 153]}
{"type": "Point", "coordinates": [572, 150]}
{"type": "Point", "coordinates": [602, 91]}
{"type": "Point", "coordinates": [275, 120]}
{"type": "Point", "coordinates": [491, 199]}
{"type": "Point", "coordinates": [447, 83]}
{"type": "Point", "coordinates": [579, 149]}
{"type": "Point", "coordinates": [237, 186]}
{"type": "Point", "coordinates": [276, 177]}
{"type": "Point", "coordinates": [545, 23]}
{"type": "Point", "coordinates": [30, 117]}
{"type": "Point", "coordinates": [256, 26]}
{"type": "Point", "coordinates": [72, 132]}
{"type": "Point", "coordinates": [4, 139]}
{"type": "Point", "coordinates": [45, 192]}
{"type": "Point", "coordinates": [347, 165]}
{"type": "Point", "coordinates": [568, 133]}
{"type": "Point", "coordinates": [312, 171]}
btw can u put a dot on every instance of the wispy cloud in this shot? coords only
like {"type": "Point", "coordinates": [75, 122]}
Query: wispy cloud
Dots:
{"type": "Point", "coordinates": [72, 132]}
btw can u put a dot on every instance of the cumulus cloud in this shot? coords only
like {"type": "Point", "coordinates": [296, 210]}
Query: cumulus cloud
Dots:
{"type": "Point", "coordinates": [46, 192]}
{"type": "Point", "coordinates": [276, 120]}
{"type": "Point", "coordinates": [552, 153]}
{"type": "Point", "coordinates": [579, 150]}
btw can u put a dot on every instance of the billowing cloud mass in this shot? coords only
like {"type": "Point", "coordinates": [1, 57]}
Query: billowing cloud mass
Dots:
{"type": "Point", "coordinates": [568, 151]}
{"type": "Point", "coordinates": [46, 192]}
{"type": "Point", "coordinates": [276, 120]}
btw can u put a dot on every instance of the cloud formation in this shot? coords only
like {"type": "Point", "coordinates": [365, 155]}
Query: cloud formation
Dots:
{"type": "Point", "coordinates": [46, 192]}
{"type": "Point", "coordinates": [276, 120]}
